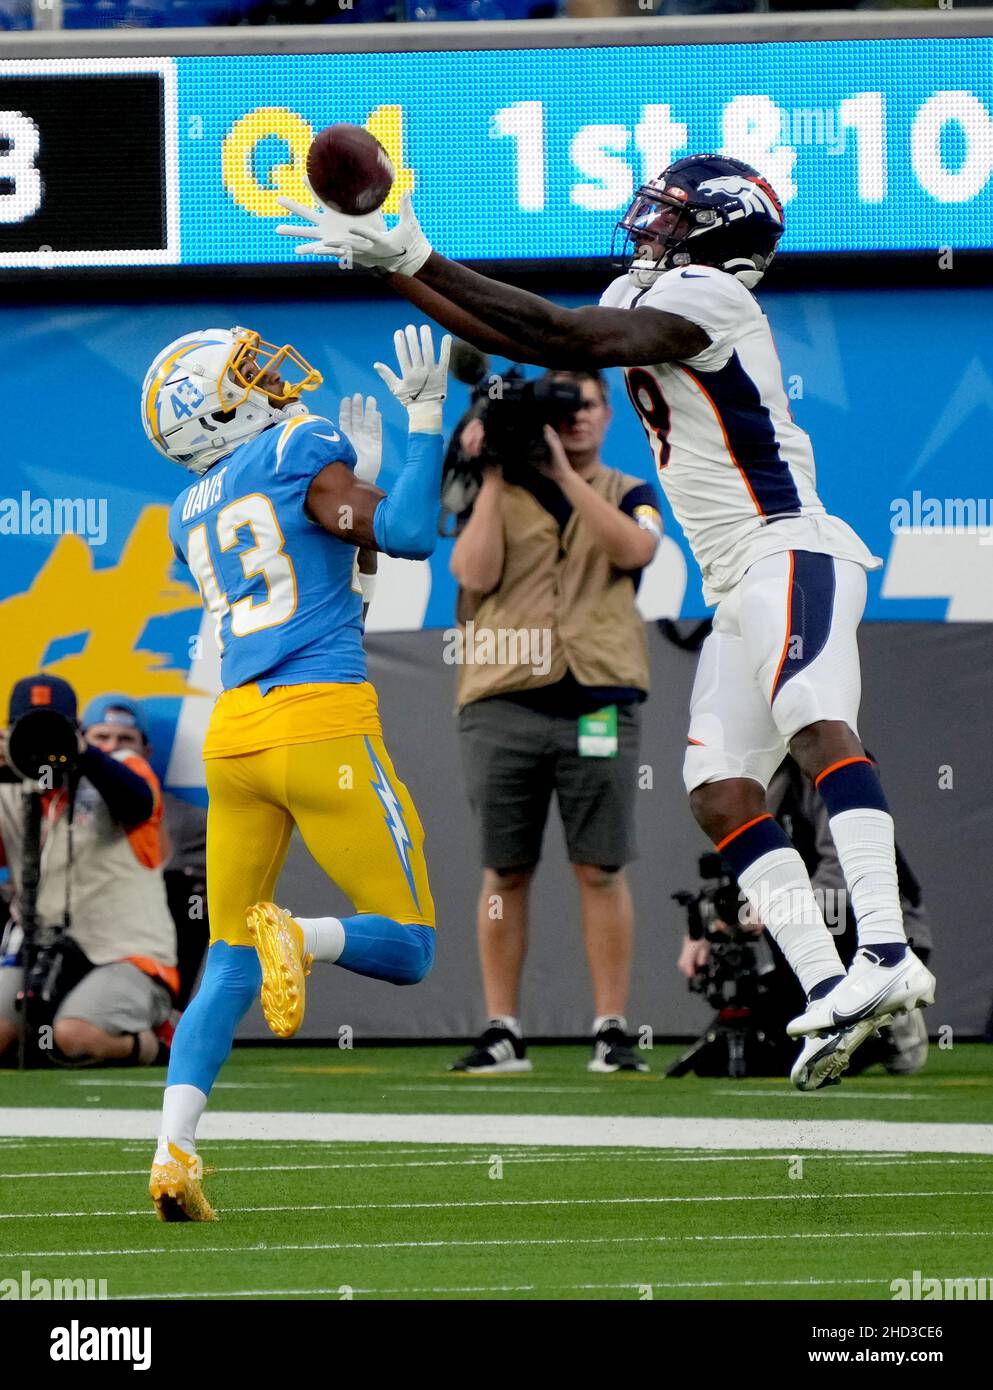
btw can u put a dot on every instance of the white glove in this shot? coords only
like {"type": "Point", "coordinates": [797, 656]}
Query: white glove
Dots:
{"type": "Point", "coordinates": [363, 427]}
{"type": "Point", "coordinates": [326, 232]}
{"type": "Point", "coordinates": [422, 384]}
{"type": "Point", "coordinates": [361, 240]}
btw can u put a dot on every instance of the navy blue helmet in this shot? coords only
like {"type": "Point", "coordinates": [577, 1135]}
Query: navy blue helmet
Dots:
{"type": "Point", "coordinates": [706, 209]}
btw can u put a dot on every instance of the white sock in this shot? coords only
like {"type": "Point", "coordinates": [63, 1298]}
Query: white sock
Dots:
{"type": "Point", "coordinates": [778, 888]}
{"type": "Point", "coordinates": [864, 840]}
{"type": "Point", "coordinates": [601, 1019]}
{"type": "Point", "coordinates": [182, 1107]}
{"type": "Point", "coordinates": [323, 937]}
{"type": "Point", "coordinates": [508, 1021]}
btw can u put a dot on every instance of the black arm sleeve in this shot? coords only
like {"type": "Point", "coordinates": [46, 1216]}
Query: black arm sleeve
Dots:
{"type": "Point", "coordinates": [129, 798]}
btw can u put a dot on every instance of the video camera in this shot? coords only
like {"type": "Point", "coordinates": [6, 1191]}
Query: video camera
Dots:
{"type": "Point", "coordinates": [514, 412]}
{"type": "Point", "coordinates": [42, 749]}
{"type": "Point", "coordinates": [43, 746]}
{"type": "Point", "coordinates": [738, 980]}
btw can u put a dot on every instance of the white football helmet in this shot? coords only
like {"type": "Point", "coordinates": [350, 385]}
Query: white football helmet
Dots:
{"type": "Point", "coordinates": [202, 396]}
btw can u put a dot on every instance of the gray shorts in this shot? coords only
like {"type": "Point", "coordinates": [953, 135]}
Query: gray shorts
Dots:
{"type": "Point", "coordinates": [119, 998]}
{"type": "Point", "coordinates": [515, 758]}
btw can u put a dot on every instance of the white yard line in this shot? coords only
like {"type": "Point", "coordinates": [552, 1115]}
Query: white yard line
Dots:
{"type": "Point", "coordinates": [749, 1091]}
{"type": "Point", "coordinates": [99, 1083]}
{"type": "Point", "coordinates": [484, 1159]}
{"type": "Point", "coordinates": [589, 1202]}
{"type": "Point", "coordinates": [565, 1131]}
{"type": "Point", "coordinates": [350, 1290]}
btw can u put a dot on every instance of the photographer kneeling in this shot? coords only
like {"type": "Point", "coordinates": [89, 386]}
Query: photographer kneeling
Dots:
{"type": "Point", "coordinates": [553, 669]}
{"type": "Point", "coordinates": [80, 832]}
{"type": "Point", "coordinates": [757, 979]}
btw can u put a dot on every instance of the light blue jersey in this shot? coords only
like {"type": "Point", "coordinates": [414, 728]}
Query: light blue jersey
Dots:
{"type": "Point", "coordinates": [283, 592]}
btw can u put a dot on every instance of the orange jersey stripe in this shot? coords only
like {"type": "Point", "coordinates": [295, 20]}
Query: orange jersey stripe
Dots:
{"type": "Point", "coordinates": [786, 638]}
{"type": "Point", "coordinates": [727, 443]}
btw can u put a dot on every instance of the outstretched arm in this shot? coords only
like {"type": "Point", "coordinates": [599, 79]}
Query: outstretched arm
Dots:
{"type": "Point", "coordinates": [455, 318]}
{"type": "Point", "coordinates": [403, 522]}
{"type": "Point", "coordinates": [528, 328]}
{"type": "Point", "coordinates": [552, 336]}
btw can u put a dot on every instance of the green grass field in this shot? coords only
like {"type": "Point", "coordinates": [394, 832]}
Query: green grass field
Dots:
{"type": "Point", "coordinates": [557, 1185]}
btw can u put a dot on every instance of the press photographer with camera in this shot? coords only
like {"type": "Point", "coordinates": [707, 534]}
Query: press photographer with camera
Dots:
{"type": "Point", "coordinates": [552, 674]}
{"type": "Point", "coordinates": [727, 956]}
{"type": "Point", "coordinates": [90, 953]}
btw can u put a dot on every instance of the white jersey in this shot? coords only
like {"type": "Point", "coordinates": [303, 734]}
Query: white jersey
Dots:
{"type": "Point", "coordinates": [737, 470]}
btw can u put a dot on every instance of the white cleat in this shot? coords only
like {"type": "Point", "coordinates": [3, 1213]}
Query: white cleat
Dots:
{"type": "Point", "coordinates": [822, 1060]}
{"type": "Point", "coordinates": [868, 991]}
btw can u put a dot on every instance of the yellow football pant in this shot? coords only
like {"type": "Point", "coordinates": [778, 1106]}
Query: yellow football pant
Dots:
{"type": "Point", "coordinates": [354, 814]}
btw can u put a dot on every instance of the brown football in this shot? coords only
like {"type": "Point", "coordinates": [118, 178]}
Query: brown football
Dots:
{"type": "Point", "coordinates": [348, 169]}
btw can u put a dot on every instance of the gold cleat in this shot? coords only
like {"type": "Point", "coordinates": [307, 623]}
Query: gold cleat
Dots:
{"type": "Point", "coordinates": [279, 942]}
{"type": "Point", "coordinates": [175, 1190]}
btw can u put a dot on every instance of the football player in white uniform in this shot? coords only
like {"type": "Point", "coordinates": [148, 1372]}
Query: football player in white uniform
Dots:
{"type": "Point", "coordinates": [780, 670]}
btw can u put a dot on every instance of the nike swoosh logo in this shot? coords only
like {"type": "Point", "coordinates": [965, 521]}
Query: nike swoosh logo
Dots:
{"type": "Point", "coordinates": [331, 438]}
{"type": "Point", "coordinates": [844, 1020]}
{"type": "Point", "coordinates": [686, 275]}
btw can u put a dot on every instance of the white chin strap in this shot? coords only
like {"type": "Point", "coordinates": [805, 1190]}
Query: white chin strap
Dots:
{"type": "Point", "coordinates": [744, 270]}
{"type": "Point", "coordinates": [645, 273]}
{"type": "Point", "coordinates": [271, 414]}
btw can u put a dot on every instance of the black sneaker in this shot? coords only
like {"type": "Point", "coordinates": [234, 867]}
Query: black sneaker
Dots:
{"type": "Point", "coordinates": [612, 1050]}
{"type": "Point", "coordinates": [498, 1052]}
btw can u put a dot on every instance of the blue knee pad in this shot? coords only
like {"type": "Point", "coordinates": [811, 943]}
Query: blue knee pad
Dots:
{"type": "Point", "coordinates": [400, 952]}
{"type": "Point", "coordinates": [231, 982]}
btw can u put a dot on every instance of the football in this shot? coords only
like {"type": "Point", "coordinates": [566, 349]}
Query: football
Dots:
{"type": "Point", "coordinates": [348, 169]}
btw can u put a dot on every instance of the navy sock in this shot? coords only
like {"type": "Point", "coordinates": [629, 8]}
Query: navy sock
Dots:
{"type": "Point", "coordinates": [888, 952]}
{"type": "Point", "coordinates": [825, 987]}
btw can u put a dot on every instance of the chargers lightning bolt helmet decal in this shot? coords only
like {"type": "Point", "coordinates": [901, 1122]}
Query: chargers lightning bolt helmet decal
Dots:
{"type": "Point", "coordinates": [210, 391]}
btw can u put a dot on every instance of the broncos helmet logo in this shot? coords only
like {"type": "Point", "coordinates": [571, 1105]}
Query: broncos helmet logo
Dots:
{"type": "Point", "coordinates": [755, 195]}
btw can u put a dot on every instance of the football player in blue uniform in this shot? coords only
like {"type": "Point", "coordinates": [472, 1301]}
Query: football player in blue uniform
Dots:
{"type": "Point", "coordinates": [272, 528]}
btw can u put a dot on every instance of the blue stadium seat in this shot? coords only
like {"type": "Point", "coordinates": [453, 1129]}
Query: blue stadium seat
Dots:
{"type": "Point", "coordinates": [15, 14]}
{"type": "Point", "coordinates": [199, 13]}
{"type": "Point", "coordinates": [152, 14]}
{"type": "Point", "coordinates": [447, 10]}
{"type": "Point", "coordinates": [112, 14]}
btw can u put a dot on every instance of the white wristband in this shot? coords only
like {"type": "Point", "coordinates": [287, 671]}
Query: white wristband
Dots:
{"type": "Point", "coordinates": [367, 583]}
{"type": "Point", "coordinates": [425, 417]}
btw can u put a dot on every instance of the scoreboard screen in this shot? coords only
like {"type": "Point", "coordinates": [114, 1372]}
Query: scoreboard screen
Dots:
{"type": "Point", "coordinates": [874, 145]}
{"type": "Point", "coordinates": [87, 164]}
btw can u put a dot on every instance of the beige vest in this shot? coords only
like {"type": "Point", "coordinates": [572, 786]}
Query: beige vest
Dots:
{"type": "Point", "coordinates": [565, 593]}
{"type": "Point", "coordinates": [118, 904]}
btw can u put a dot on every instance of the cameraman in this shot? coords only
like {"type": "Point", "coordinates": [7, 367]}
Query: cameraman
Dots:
{"type": "Point", "coordinates": [794, 801]}
{"type": "Point", "coordinates": [101, 852]}
{"type": "Point", "coordinates": [554, 549]}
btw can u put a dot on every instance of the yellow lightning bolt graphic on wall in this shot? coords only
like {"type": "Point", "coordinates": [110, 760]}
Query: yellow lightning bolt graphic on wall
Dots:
{"type": "Point", "coordinates": [110, 607]}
